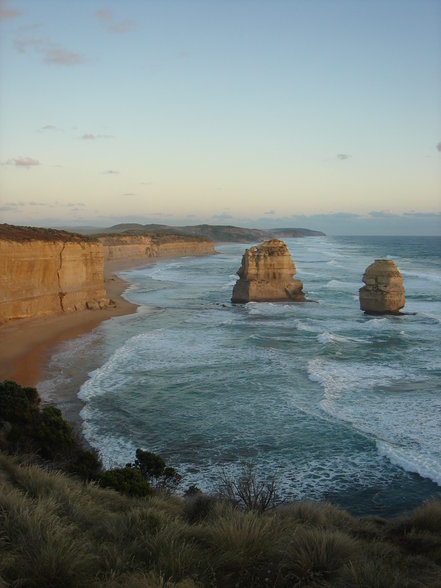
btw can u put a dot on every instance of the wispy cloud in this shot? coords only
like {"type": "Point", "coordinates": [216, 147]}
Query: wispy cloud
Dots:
{"type": "Point", "coordinates": [106, 18]}
{"type": "Point", "coordinates": [110, 172]}
{"type": "Point", "coordinates": [93, 137]}
{"type": "Point", "coordinates": [7, 13]}
{"type": "Point", "coordinates": [52, 53]}
{"type": "Point", "coordinates": [26, 162]}
{"type": "Point", "coordinates": [270, 212]}
{"type": "Point", "coordinates": [222, 216]}
{"type": "Point", "coordinates": [49, 128]}
{"type": "Point", "coordinates": [129, 194]}
{"type": "Point", "coordinates": [439, 146]}
{"type": "Point", "coordinates": [343, 156]}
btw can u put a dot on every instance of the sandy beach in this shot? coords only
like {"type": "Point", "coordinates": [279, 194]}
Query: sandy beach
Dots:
{"type": "Point", "coordinates": [27, 345]}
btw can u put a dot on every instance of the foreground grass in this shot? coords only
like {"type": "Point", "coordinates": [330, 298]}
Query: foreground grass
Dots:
{"type": "Point", "coordinates": [57, 531]}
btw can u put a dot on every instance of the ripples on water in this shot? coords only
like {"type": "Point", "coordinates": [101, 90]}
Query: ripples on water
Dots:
{"type": "Point", "coordinates": [336, 404]}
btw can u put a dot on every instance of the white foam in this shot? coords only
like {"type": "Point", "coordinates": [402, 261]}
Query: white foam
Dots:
{"type": "Point", "coordinates": [427, 466]}
{"type": "Point", "coordinates": [374, 399]}
{"type": "Point", "coordinates": [327, 337]}
{"type": "Point", "coordinates": [431, 276]}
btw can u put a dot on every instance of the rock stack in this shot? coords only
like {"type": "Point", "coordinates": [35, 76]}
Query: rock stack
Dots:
{"type": "Point", "coordinates": [384, 290]}
{"type": "Point", "coordinates": [266, 275]}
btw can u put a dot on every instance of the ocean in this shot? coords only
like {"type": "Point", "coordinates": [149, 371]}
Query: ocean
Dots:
{"type": "Point", "coordinates": [335, 404]}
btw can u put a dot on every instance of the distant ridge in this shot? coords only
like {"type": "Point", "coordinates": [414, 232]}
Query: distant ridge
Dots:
{"type": "Point", "coordinates": [218, 233]}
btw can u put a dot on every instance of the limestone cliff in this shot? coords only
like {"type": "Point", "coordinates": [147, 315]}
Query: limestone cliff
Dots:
{"type": "Point", "coordinates": [384, 290]}
{"type": "Point", "coordinates": [45, 271]}
{"type": "Point", "coordinates": [266, 274]}
{"type": "Point", "coordinates": [141, 246]}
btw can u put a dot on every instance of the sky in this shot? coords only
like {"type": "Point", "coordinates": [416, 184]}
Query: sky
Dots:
{"type": "Point", "coordinates": [324, 114]}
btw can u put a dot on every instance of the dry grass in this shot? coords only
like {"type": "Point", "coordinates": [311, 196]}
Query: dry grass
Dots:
{"type": "Point", "coordinates": [56, 531]}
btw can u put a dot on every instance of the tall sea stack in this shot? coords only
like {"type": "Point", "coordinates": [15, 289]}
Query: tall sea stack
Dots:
{"type": "Point", "coordinates": [384, 290]}
{"type": "Point", "coordinates": [266, 275]}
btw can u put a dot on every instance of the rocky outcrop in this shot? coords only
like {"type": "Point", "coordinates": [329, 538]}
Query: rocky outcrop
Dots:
{"type": "Point", "coordinates": [137, 247]}
{"type": "Point", "coordinates": [384, 290]}
{"type": "Point", "coordinates": [45, 272]}
{"type": "Point", "coordinates": [266, 274]}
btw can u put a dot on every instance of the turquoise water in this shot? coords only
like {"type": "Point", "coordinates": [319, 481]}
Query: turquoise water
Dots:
{"type": "Point", "coordinates": [337, 405]}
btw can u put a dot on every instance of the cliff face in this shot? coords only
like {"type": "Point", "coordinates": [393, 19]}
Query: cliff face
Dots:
{"type": "Point", "coordinates": [42, 276]}
{"type": "Point", "coordinates": [384, 290]}
{"type": "Point", "coordinates": [141, 246]}
{"type": "Point", "coordinates": [45, 271]}
{"type": "Point", "coordinates": [266, 274]}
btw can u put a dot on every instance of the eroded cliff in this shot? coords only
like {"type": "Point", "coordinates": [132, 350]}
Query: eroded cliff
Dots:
{"type": "Point", "coordinates": [118, 247]}
{"type": "Point", "coordinates": [45, 271]}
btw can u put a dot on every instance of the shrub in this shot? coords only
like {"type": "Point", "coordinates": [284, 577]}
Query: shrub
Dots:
{"type": "Point", "coordinates": [248, 492]}
{"type": "Point", "coordinates": [155, 471]}
{"type": "Point", "coordinates": [53, 433]}
{"type": "Point", "coordinates": [198, 507]}
{"type": "Point", "coordinates": [313, 553]}
{"type": "Point", "coordinates": [126, 480]}
{"type": "Point", "coordinates": [85, 464]}
{"type": "Point", "coordinates": [19, 407]}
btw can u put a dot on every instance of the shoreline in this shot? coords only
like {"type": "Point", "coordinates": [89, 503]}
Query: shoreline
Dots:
{"type": "Point", "coordinates": [28, 344]}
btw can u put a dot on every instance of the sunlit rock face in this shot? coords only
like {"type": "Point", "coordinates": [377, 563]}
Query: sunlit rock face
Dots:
{"type": "Point", "coordinates": [384, 290]}
{"type": "Point", "coordinates": [43, 277]}
{"type": "Point", "coordinates": [266, 275]}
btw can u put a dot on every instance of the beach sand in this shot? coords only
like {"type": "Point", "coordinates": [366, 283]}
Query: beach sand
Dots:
{"type": "Point", "coordinates": [27, 344]}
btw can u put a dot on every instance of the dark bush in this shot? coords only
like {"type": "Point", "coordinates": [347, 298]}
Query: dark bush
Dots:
{"type": "Point", "coordinates": [198, 507]}
{"type": "Point", "coordinates": [85, 464]}
{"type": "Point", "coordinates": [53, 433]}
{"type": "Point", "coordinates": [19, 407]}
{"type": "Point", "coordinates": [154, 469]}
{"type": "Point", "coordinates": [127, 480]}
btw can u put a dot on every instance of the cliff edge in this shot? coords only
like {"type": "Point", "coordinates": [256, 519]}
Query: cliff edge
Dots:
{"type": "Point", "coordinates": [45, 271]}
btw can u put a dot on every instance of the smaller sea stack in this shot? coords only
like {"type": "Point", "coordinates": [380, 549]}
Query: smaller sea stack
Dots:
{"type": "Point", "coordinates": [266, 275]}
{"type": "Point", "coordinates": [384, 290]}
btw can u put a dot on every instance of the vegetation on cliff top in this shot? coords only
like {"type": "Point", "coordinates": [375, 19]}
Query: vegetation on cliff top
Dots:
{"type": "Point", "coordinates": [56, 530]}
{"type": "Point", "coordinates": [23, 234]}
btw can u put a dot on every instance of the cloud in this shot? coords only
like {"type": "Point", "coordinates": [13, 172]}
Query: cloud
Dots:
{"type": "Point", "coordinates": [129, 194]}
{"type": "Point", "coordinates": [92, 137]}
{"type": "Point", "coordinates": [26, 162]}
{"type": "Point", "coordinates": [52, 54]}
{"type": "Point", "coordinates": [7, 13]}
{"type": "Point", "coordinates": [381, 213]}
{"type": "Point", "coordinates": [110, 172]}
{"type": "Point", "coordinates": [105, 16]}
{"type": "Point", "coordinates": [343, 156]}
{"type": "Point", "coordinates": [272, 211]}
{"type": "Point", "coordinates": [439, 146]}
{"type": "Point", "coordinates": [222, 216]}
{"type": "Point", "coordinates": [49, 128]}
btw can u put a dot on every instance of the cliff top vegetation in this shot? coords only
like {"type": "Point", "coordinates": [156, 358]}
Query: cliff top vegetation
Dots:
{"type": "Point", "coordinates": [23, 234]}
{"type": "Point", "coordinates": [158, 237]}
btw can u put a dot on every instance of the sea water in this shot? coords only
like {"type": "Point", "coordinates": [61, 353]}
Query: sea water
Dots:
{"type": "Point", "coordinates": [335, 404]}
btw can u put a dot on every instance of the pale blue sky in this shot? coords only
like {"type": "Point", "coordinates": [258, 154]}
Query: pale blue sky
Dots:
{"type": "Point", "coordinates": [262, 113]}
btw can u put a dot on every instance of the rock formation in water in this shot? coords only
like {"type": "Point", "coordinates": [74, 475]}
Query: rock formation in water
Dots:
{"type": "Point", "coordinates": [384, 290]}
{"type": "Point", "coordinates": [266, 275]}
